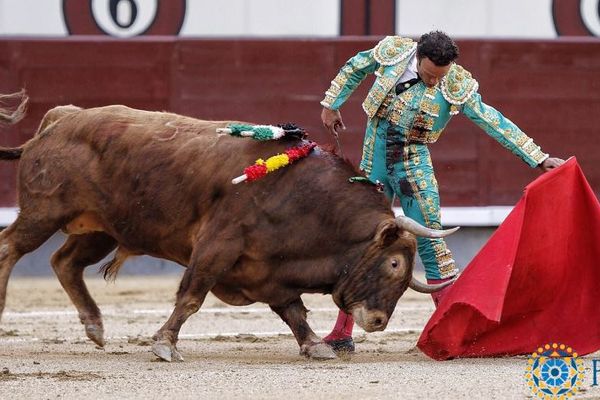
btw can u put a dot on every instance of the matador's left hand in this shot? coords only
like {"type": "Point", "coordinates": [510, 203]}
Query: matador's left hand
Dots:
{"type": "Point", "coordinates": [551, 163]}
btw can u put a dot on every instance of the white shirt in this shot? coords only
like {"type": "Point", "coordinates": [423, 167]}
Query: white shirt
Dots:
{"type": "Point", "coordinates": [411, 69]}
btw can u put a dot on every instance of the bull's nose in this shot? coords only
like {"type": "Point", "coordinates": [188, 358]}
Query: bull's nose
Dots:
{"type": "Point", "coordinates": [370, 320]}
{"type": "Point", "coordinates": [379, 322]}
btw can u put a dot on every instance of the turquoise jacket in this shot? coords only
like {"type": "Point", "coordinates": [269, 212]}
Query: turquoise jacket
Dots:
{"type": "Point", "coordinates": [420, 113]}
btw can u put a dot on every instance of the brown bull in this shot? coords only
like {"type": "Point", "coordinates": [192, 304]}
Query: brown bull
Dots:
{"type": "Point", "coordinates": [160, 184]}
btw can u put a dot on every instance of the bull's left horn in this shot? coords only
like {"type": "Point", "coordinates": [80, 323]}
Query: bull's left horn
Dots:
{"type": "Point", "coordinates": [421, 287]}
{"type": "Point", "coordinates": [416, 228]}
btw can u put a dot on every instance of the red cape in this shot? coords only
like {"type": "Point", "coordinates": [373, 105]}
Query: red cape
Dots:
{"type": "Point", "coordinates": [535, 282]}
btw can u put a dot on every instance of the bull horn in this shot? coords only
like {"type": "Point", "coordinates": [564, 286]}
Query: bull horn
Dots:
{"type": "Point", "coordinates": [421, 287]}
{"type": "Point", "coordinates": [417, 229]}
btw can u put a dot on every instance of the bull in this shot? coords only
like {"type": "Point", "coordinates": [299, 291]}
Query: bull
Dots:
{"type": "Point", "coordinates": [158, 183]}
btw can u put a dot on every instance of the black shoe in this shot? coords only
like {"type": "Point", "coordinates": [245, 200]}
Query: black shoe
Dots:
{"type": "Point", "coordinates": [345, 345]}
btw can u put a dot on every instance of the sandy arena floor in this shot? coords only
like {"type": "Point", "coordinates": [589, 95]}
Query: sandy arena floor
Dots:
{"type": "Point", "coordinates": [230, 352]}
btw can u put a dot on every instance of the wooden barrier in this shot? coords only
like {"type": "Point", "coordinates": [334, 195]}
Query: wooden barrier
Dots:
{"type": "Point", "coordinates": [549, 88]}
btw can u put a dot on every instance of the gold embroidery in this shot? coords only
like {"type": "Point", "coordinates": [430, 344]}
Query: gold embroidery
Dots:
{"type": "Point", "coordinates": [443, 256]}
{"type": "Point", "coordinates": [423, 122]}
{"type": "Point", "coordinates": [431, 108]}
{"type": "Point", "coordinates": [369, 148]}
{"type": "Point", "coordinates": [419, 136]}
{"type": "Point", "coordinates": [383, 109]}
{"type": "Point", "coordinates": [340, 80]}
{"type": "Point", "coordinates": [393, 49]}
{"type": "Point", "coordinates": [512, 134]}
{"type": "Point", "coordinates": [416, 159]}
{"type": "Point", "coordinates": [377, 96]}
{"type": "Point", "coordinates": [458, 85]}
{"type": "Point", "coordinates": [408, 96]}
{"type": "Point", "coordinates": [335, 89]}
{"type": "Point", "coordinates": [384, 85]}
{"type": "Point", "coordinates": [411, 152]}
{"type": "Point", "coordinates": [398, 106]}
{"type": "Point", "coordinates": [521, 139]}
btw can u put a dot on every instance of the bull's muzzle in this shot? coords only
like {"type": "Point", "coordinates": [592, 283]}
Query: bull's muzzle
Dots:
{"type": "Point", "coordinates": [370, 320]}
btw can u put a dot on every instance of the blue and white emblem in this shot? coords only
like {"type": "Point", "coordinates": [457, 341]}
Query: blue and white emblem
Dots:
{"type": "Point", "coordinates": [554, 372]}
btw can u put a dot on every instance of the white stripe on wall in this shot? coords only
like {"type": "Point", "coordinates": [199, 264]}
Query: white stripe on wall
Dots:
{"type": "Point", "coordinates": [451, 216]}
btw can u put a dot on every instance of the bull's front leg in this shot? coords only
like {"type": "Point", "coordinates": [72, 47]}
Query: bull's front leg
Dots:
{"type": "Point", "coordinates": [294, 315]}
{"type": "Point", "coordinates": [190, 296]}
{"type": "Point", "coordinates": [209, 261]}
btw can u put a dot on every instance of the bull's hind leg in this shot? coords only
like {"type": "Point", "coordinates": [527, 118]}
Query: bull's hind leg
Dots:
{"type": "Point", "coordinates": [294, 315]}
{"type": "Point", "coordinates": [69, 262]}
{"type": "Point", "coordinates": [21, 237]}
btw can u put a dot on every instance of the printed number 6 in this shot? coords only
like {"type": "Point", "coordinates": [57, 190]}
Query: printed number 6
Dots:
{"type": "Point", "coordinates": [124, 18]}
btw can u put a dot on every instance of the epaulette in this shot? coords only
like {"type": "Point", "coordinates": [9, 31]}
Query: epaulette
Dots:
{"type": "Point", "coordinates": [393, 49]}
{"type": "Point", "coordinates": [458, 85]}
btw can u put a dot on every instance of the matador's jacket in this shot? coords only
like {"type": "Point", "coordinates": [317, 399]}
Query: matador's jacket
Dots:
{"type": "Point", "coordinates": [400, 126]}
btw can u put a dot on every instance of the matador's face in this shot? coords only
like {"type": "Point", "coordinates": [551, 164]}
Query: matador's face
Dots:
{"type": "Point", "coordinates": [430, 73]}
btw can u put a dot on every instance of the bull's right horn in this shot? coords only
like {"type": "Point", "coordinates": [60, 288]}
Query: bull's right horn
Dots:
{"type": "Point", "coordinates": [421, 287]}
{"type": "Point", "coordinates": [417, 229]}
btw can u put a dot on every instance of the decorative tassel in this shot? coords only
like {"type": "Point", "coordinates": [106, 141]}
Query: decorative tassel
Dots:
{"type": "Point", "coordinates": [264, 132]}
{"type": "Point", "coordinates": [262, 167]}
{"type": "Point", "coordinates": [258, 132]}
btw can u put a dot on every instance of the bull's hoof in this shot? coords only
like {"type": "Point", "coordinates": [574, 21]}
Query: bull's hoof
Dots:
{"type": "Point", "coordinates": [166, 351]}
{"type": "Point", "coordinates": [176, 355]}
{"type": "Point", "coordinates": [96, 333]}
{"type": "Point", "coordinates": [162, 350]}
{"type": "Point", "coordinates": [318, 351]}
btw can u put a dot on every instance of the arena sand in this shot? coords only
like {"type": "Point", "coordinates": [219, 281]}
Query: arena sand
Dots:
{"type": "Point", "coordinates": [230, 352]}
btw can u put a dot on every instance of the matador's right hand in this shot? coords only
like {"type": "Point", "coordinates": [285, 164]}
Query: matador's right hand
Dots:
{"type": "Point", "coordinates": [332, 120]}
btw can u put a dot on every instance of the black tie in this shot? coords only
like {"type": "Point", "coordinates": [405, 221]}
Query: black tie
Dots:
{"type": "Point", "coordinates": [402, 86]}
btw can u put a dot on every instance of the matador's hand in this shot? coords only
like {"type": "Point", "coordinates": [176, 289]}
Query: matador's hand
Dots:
{"type": "Point", "coordinates": [332, 120]}
{"type": "Point", "coordinates": [551, 163]}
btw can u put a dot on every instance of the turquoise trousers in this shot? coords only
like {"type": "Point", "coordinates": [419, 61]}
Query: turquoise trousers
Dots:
{"type": "Point", "coordinates": [405, 170]}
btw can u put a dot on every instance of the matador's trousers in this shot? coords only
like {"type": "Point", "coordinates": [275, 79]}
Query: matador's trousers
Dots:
{"type": "Point", "coordinates": [405, 170]}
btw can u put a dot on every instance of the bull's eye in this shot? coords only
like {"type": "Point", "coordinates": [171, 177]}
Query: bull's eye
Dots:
{"type": "Point", "coordinates": [394, 263]}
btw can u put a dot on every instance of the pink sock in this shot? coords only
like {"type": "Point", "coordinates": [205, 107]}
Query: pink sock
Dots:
{"type": "Point", "coordinates": [342, 329]}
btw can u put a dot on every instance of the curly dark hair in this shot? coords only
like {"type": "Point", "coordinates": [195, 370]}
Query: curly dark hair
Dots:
{"type": "Point", "coordinates": [438, 47]}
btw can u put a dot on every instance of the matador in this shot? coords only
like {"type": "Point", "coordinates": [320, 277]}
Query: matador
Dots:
{"type": "Point", "coordinates": [417, 90]}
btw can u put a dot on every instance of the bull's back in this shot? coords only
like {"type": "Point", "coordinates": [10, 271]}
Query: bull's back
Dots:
{"type": "Point", "coordinates": [157, 173]}
{"type": "Point", "coordinates": [118, 140]}
{"type": "Point", "coordinates": [165, 147]}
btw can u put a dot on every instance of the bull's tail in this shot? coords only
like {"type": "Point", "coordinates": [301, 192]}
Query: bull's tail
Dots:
{"type": "Point", "coordinates": [11, 115]}
{"type": "Point", "coordinates": [10, 153]}
{"type": "Point", "coordinates": [111, 268]}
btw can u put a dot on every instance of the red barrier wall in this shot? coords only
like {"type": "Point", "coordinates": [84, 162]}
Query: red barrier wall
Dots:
{"type": "Point", "coordinates": [549, 88]}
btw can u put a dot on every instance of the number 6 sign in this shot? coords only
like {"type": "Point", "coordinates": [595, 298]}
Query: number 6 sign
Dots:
{"type": "Point", "coordinates": [124, 18]}
{"type": "Point", "coordinates": [576, 17]}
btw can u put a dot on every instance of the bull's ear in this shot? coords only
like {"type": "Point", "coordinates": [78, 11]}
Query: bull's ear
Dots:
{"type": "Point", "coordinates": [387, 233]}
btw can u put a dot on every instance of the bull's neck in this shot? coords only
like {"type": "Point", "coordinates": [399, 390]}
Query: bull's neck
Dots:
{"type": "Point", "coordinates": [346, 262]}
{"type": "Point", "coordinates": [365, 228]}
